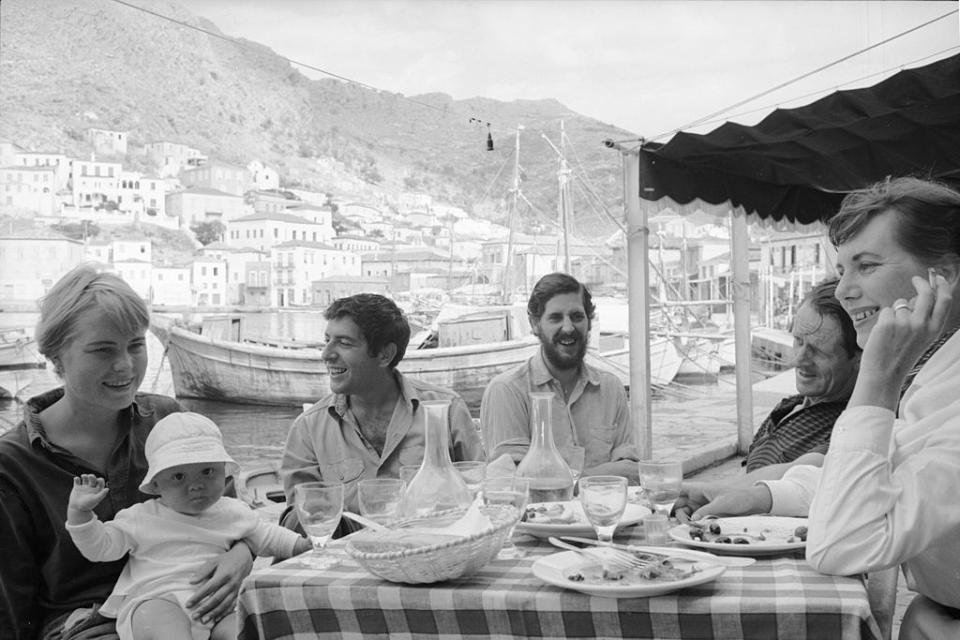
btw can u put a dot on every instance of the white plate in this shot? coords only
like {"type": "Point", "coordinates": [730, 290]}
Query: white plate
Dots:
{"type": "Point", "coordinates": [776, 529]}
{"type": "Point", "coordinates": [553, 569]}
{"type": "Point", "coordinates": [632, 514]}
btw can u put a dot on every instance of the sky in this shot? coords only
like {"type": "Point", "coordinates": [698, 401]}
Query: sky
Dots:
{"type": "Point", "coordinates": [649, 67]}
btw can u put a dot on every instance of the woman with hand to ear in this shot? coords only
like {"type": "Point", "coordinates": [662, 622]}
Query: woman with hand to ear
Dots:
{"type": "Point", "coordinates": [887, 492]}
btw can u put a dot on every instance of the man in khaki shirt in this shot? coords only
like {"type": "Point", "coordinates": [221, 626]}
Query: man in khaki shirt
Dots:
{"type": "Point", "coordinates": [590, 407]}
{"type": "Point", "coordinates": [371, 423]}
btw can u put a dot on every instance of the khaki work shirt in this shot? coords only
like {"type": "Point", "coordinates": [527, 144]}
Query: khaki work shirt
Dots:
{"type": "Point", "coordinates": [596, 416]}
{"type": "Point", "coordinates": [325, 442]}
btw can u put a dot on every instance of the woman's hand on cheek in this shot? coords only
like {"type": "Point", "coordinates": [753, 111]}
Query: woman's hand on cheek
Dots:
{"type": "Point", "coordinates": [898, 339]}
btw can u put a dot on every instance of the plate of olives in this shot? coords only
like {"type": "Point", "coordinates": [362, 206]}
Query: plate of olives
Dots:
{"type": "Point", "coordinates": [744, 535]}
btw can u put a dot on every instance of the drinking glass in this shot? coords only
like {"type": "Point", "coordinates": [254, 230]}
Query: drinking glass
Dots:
{"type": "Point", "coordinates": [574, 456]}
{"type": "Point", "coordinates": [661, 484]}
{"type": "Point", "coordinates": [473, 472]}
{"type": "Point", "coordinates": [603, 498]}
{"type": "Point", "coordinates": [379, 497]}
{"type": "Point", "coordinates": [510, 491]}
{"type": "Point", "coordinates": [319, 506]}
{"type": "Point", "coordinates": [407, 471]}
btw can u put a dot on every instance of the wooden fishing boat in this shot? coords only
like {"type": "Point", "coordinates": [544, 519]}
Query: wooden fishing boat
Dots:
{"type": "Point", "coordinates": [218, 367]}
{"type": "Point", "coordinates": [215, 369]}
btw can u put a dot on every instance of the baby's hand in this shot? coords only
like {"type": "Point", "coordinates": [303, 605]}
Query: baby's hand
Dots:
{"type": "Point", "coordinates": [88, 491]}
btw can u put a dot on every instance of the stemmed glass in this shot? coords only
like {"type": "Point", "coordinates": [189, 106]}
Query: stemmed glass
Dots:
{"type": "Point", "coordinates": [574, 457]}
{"type": "Point", "coordinates": [510, 491]}
{"type": "Point", "coordinates": [661, 484]}
{"type": "Point", "coordinates": [379, 498]}
{"type": "Point", "coordinates": [603, 498]}
{"type": "Point", "coordinates": [319, 506]}
{"type": "Point", "coordinates": [473, 472]}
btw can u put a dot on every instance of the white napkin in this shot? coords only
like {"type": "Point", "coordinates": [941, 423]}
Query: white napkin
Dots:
{"type": "Point", "coordinates": [473, 521]}
{"type": "Point", "coordinates": [502, 467]}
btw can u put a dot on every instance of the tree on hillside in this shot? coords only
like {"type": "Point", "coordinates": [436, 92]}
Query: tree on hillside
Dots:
{"type": "Point", "coordinates": [208, 231]}
{"type": "Point", "coordinates": [77, 230]}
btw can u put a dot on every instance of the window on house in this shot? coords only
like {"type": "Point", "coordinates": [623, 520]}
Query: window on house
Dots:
{"type": "Point", "coordinates": [203, 271]}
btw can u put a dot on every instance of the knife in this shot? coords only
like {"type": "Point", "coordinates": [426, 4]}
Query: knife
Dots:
{"type": "Point", "coordinates": [684, 554]}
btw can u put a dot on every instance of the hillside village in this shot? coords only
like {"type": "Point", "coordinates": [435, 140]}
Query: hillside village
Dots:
{"type": "Point", "coordinates": [285, 247]}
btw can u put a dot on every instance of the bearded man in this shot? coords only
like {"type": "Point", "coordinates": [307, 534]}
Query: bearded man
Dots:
{"type": "Point", "coordinates": [590, 408]}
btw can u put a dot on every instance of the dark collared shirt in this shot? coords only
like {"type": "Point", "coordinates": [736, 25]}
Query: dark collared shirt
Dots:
{"type": "Point", "coordinates": [42, 574]}
{"type": "Point", "coordinates": [787, 434]}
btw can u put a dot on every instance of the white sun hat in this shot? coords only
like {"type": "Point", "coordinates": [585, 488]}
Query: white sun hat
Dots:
{"type": "Point", "coordinates": [183, 438]}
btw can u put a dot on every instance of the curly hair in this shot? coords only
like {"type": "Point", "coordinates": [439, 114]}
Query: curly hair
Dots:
{"type": "Point", "coordinates": [380, 320]}
{"type": "Point", "coordinates": [554, 284]}
{"type": "Point", "coordinates": [824, 301]}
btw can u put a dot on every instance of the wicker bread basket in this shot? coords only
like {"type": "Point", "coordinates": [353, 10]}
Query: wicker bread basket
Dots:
{"type": "Point", "coordinates": [439, 562]}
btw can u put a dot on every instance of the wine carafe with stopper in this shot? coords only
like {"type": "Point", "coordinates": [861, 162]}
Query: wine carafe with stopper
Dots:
{"type": "Point", "coordinates": [437, 488]}
{"type": "Point", "coordinates": [550, 477]}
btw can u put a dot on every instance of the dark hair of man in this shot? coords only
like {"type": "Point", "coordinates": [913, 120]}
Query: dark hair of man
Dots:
{"type": "Point", "coordinates": [554, 284]}
{"type": "Point", "coordinates": [928, 224]}
{"type": "Point", "coordinates": [824, 301]}
{"type": "Point", "coordinates": [380, 321]}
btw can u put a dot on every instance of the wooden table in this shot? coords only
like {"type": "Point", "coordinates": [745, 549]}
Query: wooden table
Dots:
{"type": "Point", "coordinates": [776, 598]}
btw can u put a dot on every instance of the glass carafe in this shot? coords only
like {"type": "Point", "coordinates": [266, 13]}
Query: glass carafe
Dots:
{"type": "Point", "coordinates": [437, 486]}
{"type": "Point", "coordinates": [550, 477]}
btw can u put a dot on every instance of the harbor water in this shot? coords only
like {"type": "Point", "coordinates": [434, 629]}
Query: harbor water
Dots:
{"type": "Point", "coordinates": [684, 416]}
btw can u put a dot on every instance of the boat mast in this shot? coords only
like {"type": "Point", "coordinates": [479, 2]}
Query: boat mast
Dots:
{"type": "Point", "coordinates": [507, 289]}
{"type": "Point", "coordinates": [563, 202]}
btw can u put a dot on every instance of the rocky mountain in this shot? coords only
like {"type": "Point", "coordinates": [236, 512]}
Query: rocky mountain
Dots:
{"type": "Point", "coordinates": [67, 66]}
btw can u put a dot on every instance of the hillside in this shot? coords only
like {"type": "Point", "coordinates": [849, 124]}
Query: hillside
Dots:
{"type": "Point", "coordinates": [66, 66]}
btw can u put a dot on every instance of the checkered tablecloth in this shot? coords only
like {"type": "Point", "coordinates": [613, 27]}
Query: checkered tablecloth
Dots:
{"type": "Point", "coordinates": [775, 599]}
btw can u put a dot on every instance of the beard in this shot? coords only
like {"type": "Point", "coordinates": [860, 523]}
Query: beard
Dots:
{"type": "Point", "coordinates": [558, 356]}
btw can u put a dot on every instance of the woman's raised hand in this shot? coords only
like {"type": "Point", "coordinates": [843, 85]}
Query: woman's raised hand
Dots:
{"type": "Point", "coordinates": [901, 335]}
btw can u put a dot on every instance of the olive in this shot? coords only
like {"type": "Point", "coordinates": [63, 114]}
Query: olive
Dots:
{"type": "Point", "coordinates": [739, 540]}
{"type": "Point", "coordinates": [715, 528]}
{"type": "Point", "coordinates": [801, 532]}
{"type": "Point", "coordinates": [723, 540]}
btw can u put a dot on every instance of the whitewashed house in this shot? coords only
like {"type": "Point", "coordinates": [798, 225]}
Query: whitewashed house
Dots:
{"type": "Point", "coordinates": [209, 282]}
{"type": "Point", "coordinates": [171, 286]}
{"type": "Point", "coordinates": [297, 263]}
{"type": "Point", "coordinates": [264, 230]}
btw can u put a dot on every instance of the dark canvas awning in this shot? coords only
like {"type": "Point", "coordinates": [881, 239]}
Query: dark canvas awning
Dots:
{"type": "Point", "coordinates": [797, 164]}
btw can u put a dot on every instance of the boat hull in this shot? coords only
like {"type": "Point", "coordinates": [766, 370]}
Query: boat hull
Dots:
{"type": "Point", "coordinates": [229, 371]}
{"type": "Point", "coordinates": [664, 360]}
{"type": "Point", "coordinates": [19, 351]}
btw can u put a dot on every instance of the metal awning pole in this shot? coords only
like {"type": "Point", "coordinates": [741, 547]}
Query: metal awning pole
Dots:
{"type": "Point", "coordinates": [739, 249]}
{"type": "Point", "coordinates": [638, 305]}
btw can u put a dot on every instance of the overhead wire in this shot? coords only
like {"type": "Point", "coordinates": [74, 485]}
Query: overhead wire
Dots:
{"type": "Point", "coordinates": [716, 114]}
{"type": "Point", "coordinates": [239, 43]}
{"type": "Point", "coordinates": [821, 92]}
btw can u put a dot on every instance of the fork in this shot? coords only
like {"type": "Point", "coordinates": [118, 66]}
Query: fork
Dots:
{"type": "Point", "coordinates": [608, 557]}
